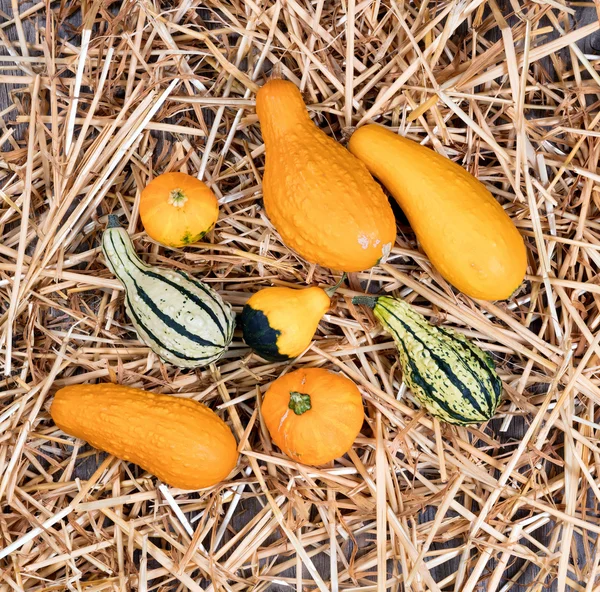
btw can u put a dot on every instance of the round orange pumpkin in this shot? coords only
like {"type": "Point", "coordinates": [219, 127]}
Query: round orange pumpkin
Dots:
{"type": "Point", "coordinates": [313, 415]}
{"type": "Point", "coordinates": [178, 209]}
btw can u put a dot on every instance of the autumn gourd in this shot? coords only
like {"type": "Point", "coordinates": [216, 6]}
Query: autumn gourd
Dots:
{"type": "Point", "coordinates": [181, 441]}
{"type": "Point", "coordinates": [321, 199]}
{"type": "Point", "coordinates": [182, 320]}
{"type": "Point", "coordinates": [313, 415]}
{"type": "Point", "coordinates": [177, 209]}
{"type": "Point", "coordinates": [465, 232]}
{"type": "Point", "coordinates": [451, 377]}
{"type": "Point", "coordinates": [279, 323]}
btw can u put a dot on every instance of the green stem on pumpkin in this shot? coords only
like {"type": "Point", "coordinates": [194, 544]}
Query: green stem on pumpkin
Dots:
{"type": "Point", "coordinates": [299, 403]}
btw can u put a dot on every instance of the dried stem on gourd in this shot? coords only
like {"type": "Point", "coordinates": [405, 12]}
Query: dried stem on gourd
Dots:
{"type": "Point", "coordinates": [276, 72]}
{"type": "Point", "coordinates": [333, 289]}
{"type": "Point", "coordinates": [177, 198]}
{"type": "Point", "coordinates": [113, 221]}
{"type": "Point", "coordinates": [369, 301]}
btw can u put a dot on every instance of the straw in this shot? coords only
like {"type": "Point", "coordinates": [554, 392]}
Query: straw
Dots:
{"type": "Point", "coordinates": [98, 101]}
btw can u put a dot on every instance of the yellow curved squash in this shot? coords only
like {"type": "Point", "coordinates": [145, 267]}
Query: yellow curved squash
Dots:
{"type": "Point", "coordinates": [466, 234]}
{"type": "Point", "coordinates": [181, 441]}
{"type": "Point", "coordinates": [321, 199]}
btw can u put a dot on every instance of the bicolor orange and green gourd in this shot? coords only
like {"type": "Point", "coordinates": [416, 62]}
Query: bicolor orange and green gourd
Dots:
{"type": "Point", "coordinates": [279, 323]}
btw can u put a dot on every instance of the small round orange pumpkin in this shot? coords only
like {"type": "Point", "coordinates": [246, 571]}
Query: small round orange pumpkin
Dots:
{"type": "Point", "coordinates": [178, 209]}
{"type": "Point", "coordinates": [313, 415]}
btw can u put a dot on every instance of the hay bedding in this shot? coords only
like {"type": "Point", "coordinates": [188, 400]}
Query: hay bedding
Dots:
{"type": "Point", "coordinates": [94, 110]}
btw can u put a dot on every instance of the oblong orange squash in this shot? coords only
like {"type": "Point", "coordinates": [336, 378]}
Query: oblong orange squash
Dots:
{"type": "Point", "coordinates": [465, 232]}
{"type": "Point", "coordinates": [181, 441]}
{"type": "Point", "coordinates": [313, 415]}
{"type": "Point", "coordinates": [177, 209]}
{"type": "Point", "coordinates": [321, 199]}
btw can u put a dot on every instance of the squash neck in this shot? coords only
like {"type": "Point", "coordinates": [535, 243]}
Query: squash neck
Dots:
{"type": "Point", "coordinates": [120, 254]}
{"type": "Point", "coordinates": [280, 108]}
{"type": "Point", "coordinates": [299, 402]}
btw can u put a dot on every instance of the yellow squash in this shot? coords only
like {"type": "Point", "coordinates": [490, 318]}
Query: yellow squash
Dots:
{"type": "Point", "coordinates": [321, 199]}
{"type": "Point", "coordinates": [181, 441]}
{"type": "Point", "coordinates": [466, 234]}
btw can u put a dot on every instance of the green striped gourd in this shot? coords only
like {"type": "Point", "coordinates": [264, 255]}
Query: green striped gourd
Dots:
{"type": "Point", "coordinates": [451, 377]}
{"type": "Point", "coordinates": [182, 320]}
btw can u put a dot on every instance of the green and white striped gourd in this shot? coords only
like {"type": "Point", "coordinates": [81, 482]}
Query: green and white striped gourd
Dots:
{"type": "Point", "coordinates": [451, 377]}
{"type": "Point", "coordinates": [182, 320]}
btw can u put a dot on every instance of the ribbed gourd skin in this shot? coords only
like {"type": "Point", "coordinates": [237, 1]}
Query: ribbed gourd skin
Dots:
{"type": "Point", "coordinates": [451, 377]}
{"type": "Point", "coordinates": [182, 320]}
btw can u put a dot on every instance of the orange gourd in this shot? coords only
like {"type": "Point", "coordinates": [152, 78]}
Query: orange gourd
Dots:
{"type": "Point", "coordinates": [313, 415]}
{"type": "Point", "coordinates": [177, 209]}
{"type": "Point", "coordinates": [465, 232]}
{"type": "Point", "coordinates": [181, 441]}
{"type": "Point", "coordinates": [321, 199]}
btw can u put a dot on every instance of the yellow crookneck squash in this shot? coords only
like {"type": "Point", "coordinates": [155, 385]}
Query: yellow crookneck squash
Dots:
{"type": "Point", "coordinates": [177, 209]}
{"type": "Point", "coordinates": [181, 441]}
{"type": "Point", "coordinates": [313, 415]}
{"type": "Point", "coordinates": [322, 200]}
{"type": "Point", "coordinates": [465, 232]}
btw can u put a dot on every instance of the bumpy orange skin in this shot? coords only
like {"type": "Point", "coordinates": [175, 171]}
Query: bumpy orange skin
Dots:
{"type": "Point", "coordinates": [180, 441]}
{"type": "Point", "coordinates": [324, 432]}
{"type": "Point", "coordinates": [180, 218]}
{"type": "Point", "coordinates": [465, 232]}
{"type": "Point", "coordinates": [321, 199]}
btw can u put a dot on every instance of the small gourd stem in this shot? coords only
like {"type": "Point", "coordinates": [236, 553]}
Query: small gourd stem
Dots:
{"type": "Point", "coordinates": [177, 198]}
{"type": "Point", "coordinates": [369, 301]}
{"type": "Point", "coordinates": [113, 221]}
{"type": "Point", "coordinates": [299, 402]}
{"type": "Point", "coordinates": [332, 290]}
{"type": "Point", "coordinates": [276, 72]}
